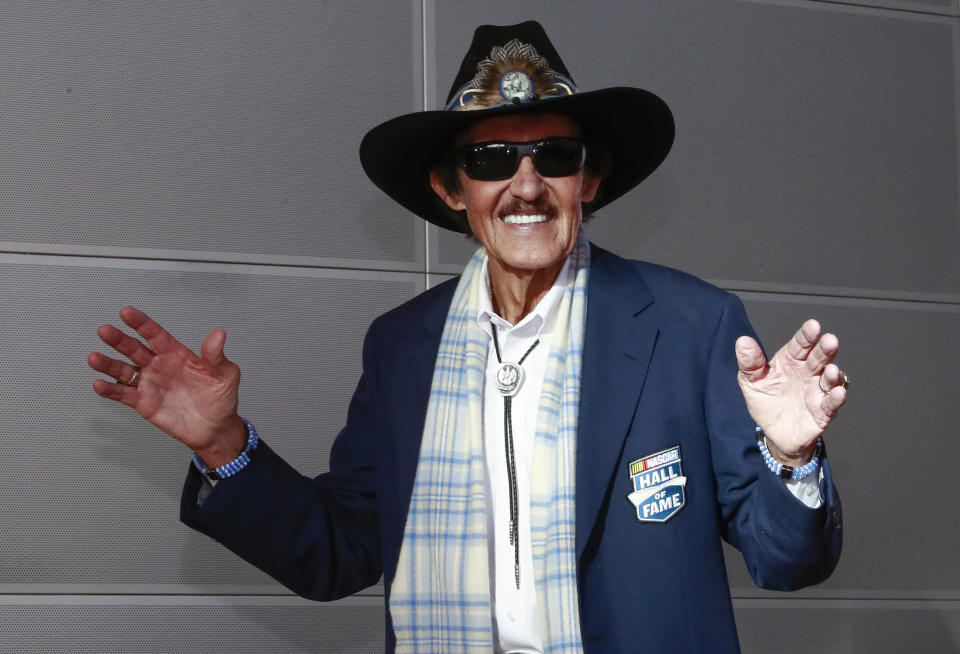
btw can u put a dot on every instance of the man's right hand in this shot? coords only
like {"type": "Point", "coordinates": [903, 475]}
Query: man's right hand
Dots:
{"type": "Point", "coordinates": [192, 398]}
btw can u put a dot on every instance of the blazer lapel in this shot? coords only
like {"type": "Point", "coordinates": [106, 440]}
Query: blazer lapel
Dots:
{"type": "Point", "coordinates": [617, 350]}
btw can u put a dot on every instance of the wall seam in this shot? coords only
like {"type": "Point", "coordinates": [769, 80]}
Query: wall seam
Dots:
{"type": "Point", "coordinates": [425, 100]}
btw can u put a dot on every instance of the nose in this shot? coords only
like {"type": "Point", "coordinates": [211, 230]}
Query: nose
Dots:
{"type": "Point", "coordinates": [526, 183]}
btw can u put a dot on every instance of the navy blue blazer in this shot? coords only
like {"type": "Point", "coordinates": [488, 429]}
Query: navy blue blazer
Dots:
{"type": "Point", "coordinates": [658, 371]}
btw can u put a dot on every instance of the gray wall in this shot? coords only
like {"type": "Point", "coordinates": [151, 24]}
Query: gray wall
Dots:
{"type": "Point", "coordinates": [199, 160]}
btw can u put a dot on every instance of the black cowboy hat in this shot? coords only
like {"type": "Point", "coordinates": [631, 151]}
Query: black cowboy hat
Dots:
{"type": "Point", "coordinates": [632, 127]}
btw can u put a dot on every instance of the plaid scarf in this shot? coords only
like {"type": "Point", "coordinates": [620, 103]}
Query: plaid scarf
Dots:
{"type": "Point", "coordinates": [440, 597]}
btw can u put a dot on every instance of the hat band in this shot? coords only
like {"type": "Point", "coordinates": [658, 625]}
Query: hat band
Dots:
{"type": "Point", "coordinates": [515, 87]}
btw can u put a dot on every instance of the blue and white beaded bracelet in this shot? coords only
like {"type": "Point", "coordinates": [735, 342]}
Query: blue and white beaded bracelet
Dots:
{"type": "Point", "coordinates": [785, 471]}
{"type": "Point", "coordinates": [235, 466]}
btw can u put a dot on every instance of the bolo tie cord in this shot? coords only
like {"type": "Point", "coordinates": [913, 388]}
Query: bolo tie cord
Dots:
{"type": "Point", "coordinates": [511, 461]}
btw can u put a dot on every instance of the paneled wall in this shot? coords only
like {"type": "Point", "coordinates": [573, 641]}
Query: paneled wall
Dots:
{"type": "Point", "coordinates": [199, 160]}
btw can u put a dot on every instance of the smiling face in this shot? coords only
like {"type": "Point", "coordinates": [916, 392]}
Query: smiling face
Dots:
{"type": "Point", "coordinates": [527, 222]}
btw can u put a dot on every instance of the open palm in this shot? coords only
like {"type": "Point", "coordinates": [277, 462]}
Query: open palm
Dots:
{"type": "Point", "coordinates": [794, 395]}
{"type": "Point", "coordinates": [192, 398]}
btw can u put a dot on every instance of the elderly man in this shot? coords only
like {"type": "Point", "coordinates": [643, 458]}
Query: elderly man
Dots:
{"type": "Point", "coordinates": [543, 454]}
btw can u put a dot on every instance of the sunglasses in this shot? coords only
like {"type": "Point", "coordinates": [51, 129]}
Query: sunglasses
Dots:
{"type": "Point", "coordinates": [496, 160]}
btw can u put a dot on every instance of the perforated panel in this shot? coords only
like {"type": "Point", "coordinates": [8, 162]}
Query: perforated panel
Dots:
{"type": "Point", "coordinates": [887, 447]}
{"type": "Point", "coordinates": [90, 489]}
{"type": "Point", "coordinates": [816, 143]}
{"type": "Point", "coordinates": [940, 6]}
{"type": "Point", "coordinates": [229, 626]}
{"type": "Point", "coordinates": [848, 627]}
{"type": "Point", "coordinates": [220, 126]}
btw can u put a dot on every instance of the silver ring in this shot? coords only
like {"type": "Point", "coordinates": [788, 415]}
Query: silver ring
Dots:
{"type": "Point", "coordinates": [825, 391]}
{"type": "Point", "coordinates": [132, 382]}
{"type": "Point", "coordinates": [844, 381]}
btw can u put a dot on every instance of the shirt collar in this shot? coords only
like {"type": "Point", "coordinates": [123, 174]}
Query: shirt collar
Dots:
{"type": "Point", "coordinates": [538, 322]}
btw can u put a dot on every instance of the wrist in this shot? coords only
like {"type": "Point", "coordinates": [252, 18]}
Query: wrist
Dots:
{"type": "Point", "coordinates": [787, 471]}
{"type": "Point", "coordinates": [793, 459]}
{"type": "Point", "coordinates": [236, 464]}
{"type": "Point", "coordinates": [226, 445]}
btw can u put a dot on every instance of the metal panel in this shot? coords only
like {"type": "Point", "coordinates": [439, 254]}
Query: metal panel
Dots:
{"type": "Point", "coordinates": [90, 489]}
{"type": "Point", "coordinates": [842, 627]}
{"type": "Point", "coordinates": [816, 143]}
{"type": "Point", "coordinates": [199, 128]}
{"type": "Point", "coordinates": [144, 625]}
{"type": "Point", "coordinates": [890, 446]}
{"type": "Point", "coordinates": [947, 7]}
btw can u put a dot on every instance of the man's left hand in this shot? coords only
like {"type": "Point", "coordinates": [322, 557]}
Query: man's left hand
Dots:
{"type": "Point", "coordinates": [794, 395]}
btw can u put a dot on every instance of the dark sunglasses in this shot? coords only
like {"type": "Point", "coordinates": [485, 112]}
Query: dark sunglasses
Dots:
{"type": "Point", "coordinates": [495, 160]}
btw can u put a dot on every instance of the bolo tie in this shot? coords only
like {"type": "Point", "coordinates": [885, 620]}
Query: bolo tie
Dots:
{"type": "Point", "coordinates": [508, 379]}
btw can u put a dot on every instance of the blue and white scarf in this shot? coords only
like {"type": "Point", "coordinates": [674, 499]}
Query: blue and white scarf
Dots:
{"type": "Point", "coordinates": [440, 598]}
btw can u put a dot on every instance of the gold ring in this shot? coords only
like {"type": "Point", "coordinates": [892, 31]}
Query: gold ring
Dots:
{"type": "Point", "coordinates": [132, 382]}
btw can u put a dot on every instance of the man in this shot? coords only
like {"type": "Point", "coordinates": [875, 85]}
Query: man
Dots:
{"type": "Point", "coordinates": [544, 453]}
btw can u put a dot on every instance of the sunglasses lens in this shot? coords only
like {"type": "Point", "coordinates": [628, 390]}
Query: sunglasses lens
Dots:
{"type": "Point", "coordinates": [558, 157]}
{"type": "Point", "coordinates": [555, 157]}
{"type": "Point", "coordinates": [489, 161]}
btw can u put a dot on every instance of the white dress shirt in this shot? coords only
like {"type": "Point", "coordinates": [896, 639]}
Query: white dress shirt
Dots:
{"type": "Point", "coordinates": [516, 624]}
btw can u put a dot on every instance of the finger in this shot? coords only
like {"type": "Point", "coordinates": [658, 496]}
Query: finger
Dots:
{"type": "Point", "coordinates": [133, 349]}
{"type": "Point", "coordinates": [159, 338]}
{"type": "Point", "coordinates": [750, 358]}
{"type": "Point", "coordinates": [212, 349]}
{"type": "Point", "coordinates": [123, 394]}
{"type": "Point", "coordinates": [832, 376]}
{"type": "Point", "coordinates": [833, 400]}
{"type": "Point", "coordinates": [802, 343]}
{"type": "Point", "coordinates": [117, 369]}
{"type": "Point", "coordinates": [823, 353]}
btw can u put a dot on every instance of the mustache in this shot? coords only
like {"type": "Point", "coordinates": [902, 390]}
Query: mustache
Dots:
{"type": "Point", "coordinates": [522, 207]}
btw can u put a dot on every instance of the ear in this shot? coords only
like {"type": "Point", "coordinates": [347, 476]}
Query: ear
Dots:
{"type": "Point", "coordinates": [588, 190]}
{"type": "Point", "coordinates": [451, 199]}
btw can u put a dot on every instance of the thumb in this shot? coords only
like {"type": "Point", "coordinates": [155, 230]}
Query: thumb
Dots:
{"type": "Point", "coordinates": [750, 358]}
{"type": "Point", "coordinates": [212, 349]}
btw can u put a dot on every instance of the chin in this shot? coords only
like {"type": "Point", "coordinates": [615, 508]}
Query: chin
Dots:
{"type": "Point", "coordinates": [535, 262]}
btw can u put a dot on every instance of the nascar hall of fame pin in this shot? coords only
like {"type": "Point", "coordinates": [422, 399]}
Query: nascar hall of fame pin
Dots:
{"type": "Point", "coordinates": [659, 487]}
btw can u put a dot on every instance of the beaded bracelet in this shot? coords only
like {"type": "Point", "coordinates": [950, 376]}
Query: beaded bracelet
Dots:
{"type": "Point", "coordinates": [784, 471]}
{"type": "Point", "coordinates": [235, 466]}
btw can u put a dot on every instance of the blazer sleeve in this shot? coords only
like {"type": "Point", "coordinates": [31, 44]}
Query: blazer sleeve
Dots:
{"type": "Point", "coordinates": [786, 545]}
{"type": "Point", "coordinates": [319, 537]}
